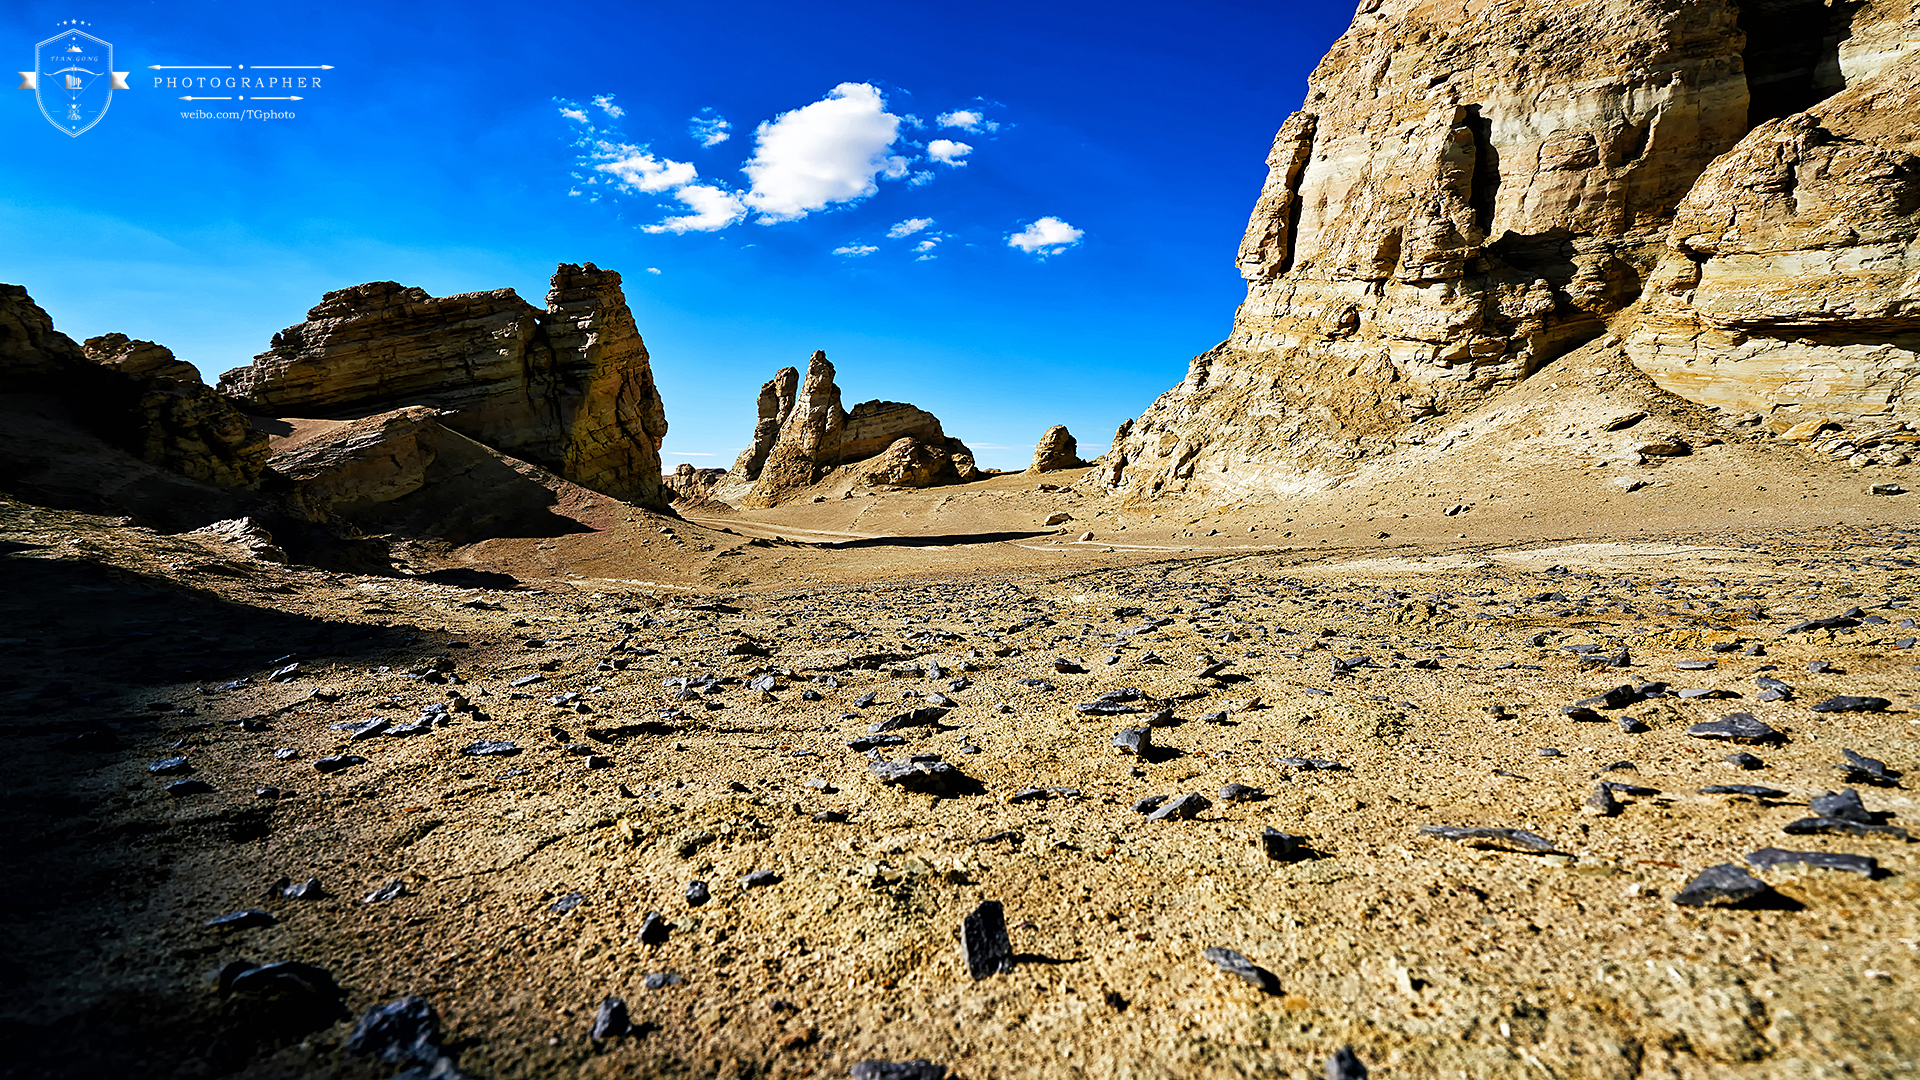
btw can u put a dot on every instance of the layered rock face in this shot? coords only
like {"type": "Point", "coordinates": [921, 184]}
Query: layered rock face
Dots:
{"type": "Point", "coordinates": [568, 388]}
{"type": "Point", "coordinates": [690, 485]}
{"type": "Point", "coordinates": [1791, 281]}
{"type": "Point", "coordinates": [133, 394]}
{"type": "Point", "coordinates": [1469, 192]}
{"type": "Point", "coordinates": [1056, 450]}
{"type": "Point", "coordinates": [803, 432]}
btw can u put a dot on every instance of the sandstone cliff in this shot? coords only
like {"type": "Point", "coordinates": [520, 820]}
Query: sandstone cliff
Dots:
{"type": "Point", "coordinates": [568, 388]}
{"type": "Point", "coordinates": [1057, 449]}
{"type": "Point", "coordinates": [1472, 191]}
{"type": "Point", "coordinates": [802, 433]}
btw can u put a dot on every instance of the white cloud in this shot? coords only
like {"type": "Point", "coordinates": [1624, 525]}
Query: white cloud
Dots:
{"type": "Point", "coordinates": [575, 114]}
{"type": "Point", "coordinates": [919, 178]}
{"type": "Point", "coordinates": [854, 251]}
{"type": "Point", "coordinates": [605, 101]}
{"type": "Point", "coordinates": [948, 152]}
{"type": "Point", "coordinates": [909, 227]}
{"type": "Point", "coordinates": [1047, 236]}
{"type": "Point", "coordinates": [831, 151]}
{"type": "Point", "coordinates": [635, 167]}
{"type": "Point", "coordinates": [713, 208]}
{"type": "Point", "coordinates": [711, 130]}
{"type": "Point", "coordinates": [653, 269]}
{"type": "Point", "coordinates": [967, 120]}
{"type": "Point", "coordinates": [927, 245]}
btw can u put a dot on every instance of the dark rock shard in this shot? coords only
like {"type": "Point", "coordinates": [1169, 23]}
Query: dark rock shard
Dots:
{"type": "Point", "coordinates": [984, 945]}
{"type": "Point", "coordinates": [1769, 857]}
{"type": "Point", "coordinates": [917, 1069]}
{"type": "Point", "coordinates": [1617, 698]}
{"type": "Point", "coordinates": [1511, 839]}
{"type": "Point", "coordinates": [1312, 764]}
{"type": "Point", "coordinates": [406, 1030]}
{"type": "Point", "coordinates": [611, 1021]}
{"type": "Point", "coordinates": [338, 762]}
{"type": "Point", "coordinates": [309, 889]}
{"type": "Point", "coordinates": [1744, 760]}
{"type": "Point", "coordinates": [934, 777]}
{"type": "Point", "coordinates": [1754, 791]}
{"type": "Point", "coordinates": [654, 929]}
{"type": "Point", "coordinates": [874, 742]}
{"type": "Point", "coordinates": [1601, 803]}
{"type": "Point", "coordinates": [1725, 885]}
{"type": "Point", "coordinates": [1149, 804]}
{"type": "Point", "coordinates": [392, 890]}
{"type": "Point", "coordinates": [1241, 793]}
{"type": "Point", "coordinates": [697, 893]}
{"type": "Point", "coordinates": [1237, 965]}
{"type": "Point", "coordinates": [1736, 727]}
{"type": "Point", "coordinates": [1283, 847]}
{"type": "Point", "coordinates": [1137, 741]}
{"type": "Point", "coordinates": [490, 748]}
{"type": "Point", "coordinates": [1345, 1065]}
{"type": "Point", "coordinates": [1862, 769]}
{"type": "Point", "coordinates": [188, 787]}
{"type": "Point", "coordinates": [662, 980]}
{"type": "Point", "coordinates": [173, 766]}
{"type": "Point", "coordinates": [1841, 827]}
{"type": "Point", "coordinates": [1851, 703]}
{"type": "Point", "coordinates": [1581, 715]}
{"type": "Point", "coordinates": [759, 879]}
{"type": "Point", "coordinates": [241, 920]}
{"type": "Point", "coordinates": [566, 903]}
{"type": "Point", "coordinates": [1186, 806]}
{"type": "Point", "coordinates": [304, 987]}
{"type": "Point", "coordinates": [1845, 805]}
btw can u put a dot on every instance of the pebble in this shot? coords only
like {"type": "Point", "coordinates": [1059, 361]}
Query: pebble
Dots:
{"type": "Point", "coordinates": [400, 1031]}
{"type": "Point", "coordinates": [1601, 803]}
{"type": "Point", "coordinates": [1237, 965]}
{"type": "Point", "coordinates": [1743, 760]}
{"type": "Point", "coordinates": [654, 929]}
{"type": "Point", "coordinates": [338, 762]}
{"type": "Point", "coordinates": [1345, 1065]}
{"type": "Point", "coordinates": [1617, 698]}
{"type": "Point", "coordinates": [1137, 741]}
{"type": "Point", "coordinates": [309, 889]}
{"type": "Point", "coordinates": [1241, 793]}
{"type": "Point", "coordinates": [1769, 857]}
{"type": "Point", "coordinates": [1312, 764]}
{"type": "Point", "coordinates": [1517, 839]}
{"type": "Point", "coordinates": [173, 766]}
{"type": "Point", "coordinates": [984, 946]}
{"type": "Point", "coordinates": [1697, 665]}
{"type": "Point", "coordinates": [286, 980]}
{"type": "Point", "coordinates": [1186, 806]}
{"type": "Point", "coordinates": [1725, 885]}
{"type": "Point", "coordinates": [1850, 703]}
{"type": "Point", "coordinates": [392, 890]}
{"type": "Point", "coordinates": [181, 788]}
{"type": "Point", "coordinates": [662, 980]}
{"type": "Point", "coordinates": [490, 748]}
{"type": "Point", "coordinates": [1149, 804]}
{"type": "Point", "coordinates": [874, 742]}
{"type": "Point", "coordinates": [697, 892]}
{"type": "Point", "coordinates": [1548, 751]}
{"type": "Point", "coordinates": [934, 777]}
{"type": "Point", "coordinates": [917, 1069]}
{"type": "Point", "coordinates": [1735, 727]}
{"type": "Point", "coordinates": [759, 879]}
{"type": "Point", "coordinates": [241, 920]}
{"type": "Point", "coordinates": [1755, 791]}
{"type": "Point", "coordinates": [285, 753]}
{"type": "Point", "coordinates": [1862, 769]}
{"type": "Point", "coordinates": [566, 903]}
{"type": "Point", "coordinates": [1632, 725]}
{"type": "Point", "coordinates": [611, 1021]}
{"type": "Point", "coordinates": [1283, 847]}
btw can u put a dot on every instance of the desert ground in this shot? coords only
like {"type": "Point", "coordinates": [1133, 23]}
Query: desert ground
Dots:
{"type": "Point", "coordinates": [545, 741]}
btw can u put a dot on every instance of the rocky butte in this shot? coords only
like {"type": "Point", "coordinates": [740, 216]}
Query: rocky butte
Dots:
{"type": "Point", "coordinates": [568, 388]}
{"type": "Point", "coordinates": [802, 433]}
{"type": "Point", "coordinates": [1724, 192]}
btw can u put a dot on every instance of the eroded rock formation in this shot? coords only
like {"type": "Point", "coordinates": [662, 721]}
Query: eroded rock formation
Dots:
{"type": "Point", "coordinates": [690, 485]}
{"type": "Point", "coordinates": [1470, 192]}
{"type": "Point", "coordinates": [568, 388]}
{"type": "Point", "coordinates": [802, 433]}
{"type": "Point", "coordinates": [1056, 450]}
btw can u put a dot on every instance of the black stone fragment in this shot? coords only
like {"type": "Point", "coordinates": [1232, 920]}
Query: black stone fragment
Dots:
{"type": "Point", "coordinates": [1513, 839]}
{"type": "Point", "coordinates": [759, 879]}
{"type": "Point", "coordinates": [1838, 622]}
{"type": "Point", "coordinates": [1632, 725]}
{"type": "Point", "coordinates": [1137, 741]}
{"type": "Point", "coordinates": [1851, 703]}
{"type": "Point", "coordinates": [1149, 804]}
{"type": "Point", "coordinates": [338, 762]}
{"type": "Point", "coordinates": [1841, 827]}
{"type": "Point", "coordinates": [1241, 793]}
{"type": "Point", "coordinates": [923, 717]}
{"type": "Point", "coordinates": [697, 893]}
{"type": "Point", "coordinates": [1735, 727]}
{"type": "Point", "coordinates": [874, 742]}
{"type": "Point", "coordinates": [984, 945]}
{"type": "Point", "coordinates": [188, 787]}
{"type": "Point", "coordinates": [1345, 1065]}
{"type": "Point", "coordinates": [1237, 965]}
{"type": "Point", "coordinates": [1186, 806]}
{"type": "Point", "coordinates": [1617, 698]}
{"type": "Point", "coordinates": [662, 980]}
{"type": "Point", "coordinates": [400, 1031]}
{"type": "Point", "coordinates": [611, 1021]}
{"type": "Point", "coordinates": [490, 748]}
{"type": "Point", "coordinates": [288, 981]}
{"type": "Point", "coordinates": [1283, 847]}
{"type": "Point", "coordinates": [1863, 769]}
{"type": "Point", "coordinates": [392, 890]}
{"type": "Point", "coordinates": [241, 920]}
{"type": "Point", "coordinates": [1744, 760]}
{"type": "Point", "coordinates": [1725, 885]}
{"type": "Point", "coordinates": [917, 1069]}
{"type": "Point", "coordinates": [654, 929]}
{"type": "Point", "coordinates": [1750, 790]}
{"type": "Point", "coordinates": [173, 766]}
{"type": "Point", "coordinates": [1769, 857]}
{"type": "Point", "coordinates": [1581, 715]}
{"type": "Point", "coordinates": [934, 777]}
{"type": "Point", "coordinates": [1601, 803]}
{"type": "Point", "coordinates": [1845, 805]}
{"type": "Point", "coordinates": [1312, 764]}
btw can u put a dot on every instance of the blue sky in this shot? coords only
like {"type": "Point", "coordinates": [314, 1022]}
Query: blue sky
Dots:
{"type": "Point", "coordinates": [1083, 173]}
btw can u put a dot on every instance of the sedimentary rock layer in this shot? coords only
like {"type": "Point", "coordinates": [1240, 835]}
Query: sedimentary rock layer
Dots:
{"type": "Point", "coordinates": [1469, 192]}
{"type": "Point", "coordinates": [569, 388]}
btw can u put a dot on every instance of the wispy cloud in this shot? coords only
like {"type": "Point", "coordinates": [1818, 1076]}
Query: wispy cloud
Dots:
{"type": "Point", "coordinates": [855, 251]}
{"type": "Point", "coordinates": [710, 128]}
{"type": "Point", "coordinates": [948, 152]}
{"type": "Point", "coordinates": [1047, 236]}
{"type": "Point", "coordinates": [637, 168]}
{"type": "Point", "coordinates": [713, 208]}
{"type": "Point", "coordinates": [605, 101]}
{"type": "Point", "coordinates": [909, 227]}
{"type": "Point", "coordinates": [968, 120]}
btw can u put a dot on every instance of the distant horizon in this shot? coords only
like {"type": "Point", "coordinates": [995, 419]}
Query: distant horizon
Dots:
{"type": "Point", "coordinates": [1010, 218]}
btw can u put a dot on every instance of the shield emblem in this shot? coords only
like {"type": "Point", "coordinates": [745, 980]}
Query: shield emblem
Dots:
{"type": "Point", "coordinates": [74, 80]}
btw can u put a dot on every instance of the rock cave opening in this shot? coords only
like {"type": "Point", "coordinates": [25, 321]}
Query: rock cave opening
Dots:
{"type": "Point", "coordinates": [1792, 54]}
